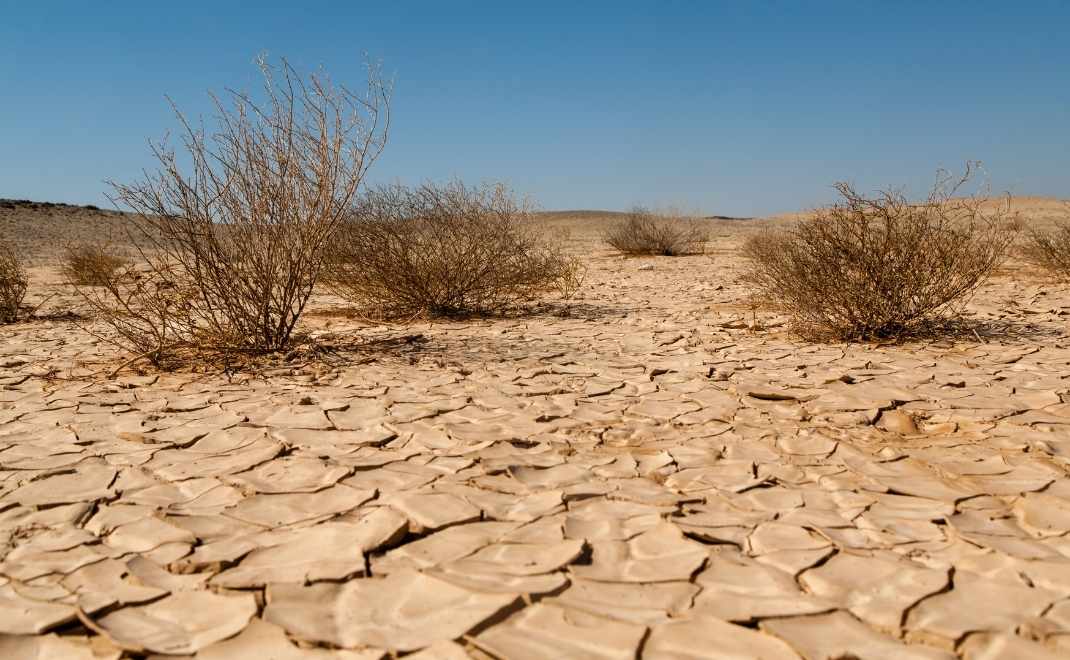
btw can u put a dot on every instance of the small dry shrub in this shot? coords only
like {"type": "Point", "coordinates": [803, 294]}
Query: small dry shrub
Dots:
{"type": "Point", "coordinates": [233, 244]}
{"type": "Point", "coordinates": [445, 250]}
{"type": "Point", "coordinates": [13, 283]}
{"type": "Point", "coordinates": [149, 308]}
{"type": "Point", "coordinates": [91, 264]}
{"type": "Point", "coordinates": [644, 232]}
{"type": "Point", "coordinates": [881, 267]}
{"type": "Point", "coordinates": [1049, 248]}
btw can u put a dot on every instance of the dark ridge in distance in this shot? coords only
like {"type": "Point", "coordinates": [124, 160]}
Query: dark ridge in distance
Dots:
{"type": "Point", "coordinates": [6, 203]}
{"type": "Point", "coordinates": [594, 213]}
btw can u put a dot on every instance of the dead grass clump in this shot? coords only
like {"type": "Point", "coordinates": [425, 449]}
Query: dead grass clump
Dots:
{"type": "Point", "coordinates": [882, 267]}
{"type": "Point", "coordinates": [1049, 249]}
{"type": "Point", "coordinates": [644, 232]}
{"type": "Point", "coordinates": [13, 283]}
{"type": "Point", "coordinates": [445, 250]}
{"type": "Point", "coordinates": [233, 244]}
{"type": "Point", "coordinates": [90, 264]}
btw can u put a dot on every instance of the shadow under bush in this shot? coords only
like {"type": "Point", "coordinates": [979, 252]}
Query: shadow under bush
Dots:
{"type": "Point", "coordinates": [881, 267]}
{"type": "Point", "coordinates": [644, 232]}
{"type": "Point", "coordinates": [445, 250]}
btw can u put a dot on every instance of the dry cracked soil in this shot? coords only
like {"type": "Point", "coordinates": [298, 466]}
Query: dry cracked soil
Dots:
{"type": "Point", "coordinates": [635, 473]}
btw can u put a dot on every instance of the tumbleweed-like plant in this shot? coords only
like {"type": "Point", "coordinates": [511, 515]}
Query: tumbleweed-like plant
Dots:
{"type": "Point", "coordinates": [644, 232]}
{"type": "Point", "coordinates": [1049, 248]}
{"type": "Point", "coordinates": [881, 267]}
{"type": "Point", "coordinates": [13, 283]}
{"type": "Point", "coordinates": [233, 232]}
{"type": "Point", "coordinates": [445, 250]}
{"type": "Point", "coordinates": [90, 264]}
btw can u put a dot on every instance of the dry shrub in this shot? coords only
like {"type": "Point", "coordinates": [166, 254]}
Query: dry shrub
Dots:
{"type": "Point", "coordinates": [91, 264]}
{"type": "Point", "coordinates": [149, 308]}
{"type": "Point", "coordinates": [234, 243]}
{"type": "Point", "coordinates": [1049, 248]}
{"type": "Point", "coordinates": [13, 283]}
{"type": "Point", "coordinates": [881, 267]}
{"type": "Point", "coordinates": [445, 250]}
{"type": "Point", "coordinates": [646, 232]}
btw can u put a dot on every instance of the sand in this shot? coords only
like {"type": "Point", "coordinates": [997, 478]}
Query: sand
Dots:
{"type": "Point", "coordinates": [639, 472]}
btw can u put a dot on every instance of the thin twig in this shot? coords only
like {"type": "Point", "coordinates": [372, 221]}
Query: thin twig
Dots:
{"type": "Point", "coordinates": [131, 361]}
{"type": "Point", "coordinates": [33, 312]}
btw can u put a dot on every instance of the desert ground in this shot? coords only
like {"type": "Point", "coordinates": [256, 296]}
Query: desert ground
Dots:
{"type": "Point", "coordinates": [653, 469]}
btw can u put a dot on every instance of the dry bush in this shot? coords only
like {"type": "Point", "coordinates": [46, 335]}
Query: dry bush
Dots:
{"type": "Point", "coordinates": [13, 283]}
{"type": "Point", "coordinates": [882, 267]}
{"type": "Point", "coordinates": [1050, 248]}
{"type": "Point", "coordinates": [90, 264]}
{"type": "Point", "coordinates": [649, 233]}
{"type": "Point", "coordinates": [445, 250]}
{"type": "Point", "coordinates": [148, 307]}
{"type": "Point", "coordinates": [234, 243]}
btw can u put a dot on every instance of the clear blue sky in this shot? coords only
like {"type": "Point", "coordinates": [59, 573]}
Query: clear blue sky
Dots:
{"type": "Point", "coordinates": [734, 108]}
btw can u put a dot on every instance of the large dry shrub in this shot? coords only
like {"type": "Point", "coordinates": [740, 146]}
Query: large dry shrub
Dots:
{"type": "Point", "coordinates": [13, 283]}
{"type": "Point", "coordinates": [881, 267]}
{"type": "Point", "coordinates": [90, 264]}
{"type": "Point", "coordinates": [233, 233]}
{"type": "Point", "coordinates": [645, 232]}
{"type": "Point", "coordinates": [1049, 248]}
{"type": "Point", "coordinates": [445, 250]}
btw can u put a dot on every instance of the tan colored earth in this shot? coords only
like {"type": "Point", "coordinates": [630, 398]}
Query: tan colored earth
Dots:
{"type": "Point", "coordinates": [650, 470]}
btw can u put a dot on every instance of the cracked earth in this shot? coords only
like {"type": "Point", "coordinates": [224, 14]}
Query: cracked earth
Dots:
{"type": "Point", "coordinates": [637, 474]}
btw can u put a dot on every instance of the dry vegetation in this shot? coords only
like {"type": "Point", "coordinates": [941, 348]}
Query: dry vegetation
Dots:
{"type": "Point", "coordinates": [234, 247]}
{"type": "Point", "coordinates": [445, 250]}
{"type": "Point", "coordinates": [13, 283]}
{"type": "Point", "coordinates": [644, 232]}
{"type": "Point", "coordinates": [91, 264]}
{"type": "Point", "coordinates": [313, 505]}
{"type": "Point", "coordinates": [1049, 248]}
{"type": "Point", "coordinates": [881, 267]}
{"type": "Point", "coordinates": [372, 444]}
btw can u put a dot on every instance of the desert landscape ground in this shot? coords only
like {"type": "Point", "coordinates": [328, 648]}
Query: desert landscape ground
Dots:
{"type": "Point", "coordinates": [651, 469]}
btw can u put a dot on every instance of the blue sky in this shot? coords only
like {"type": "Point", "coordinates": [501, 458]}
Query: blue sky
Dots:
{"type": "Point", "coordinates": [733, 108]}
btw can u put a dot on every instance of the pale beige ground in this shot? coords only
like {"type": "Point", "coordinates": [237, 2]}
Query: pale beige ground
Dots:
{"type": "Point", "coordinates": [636, 474]}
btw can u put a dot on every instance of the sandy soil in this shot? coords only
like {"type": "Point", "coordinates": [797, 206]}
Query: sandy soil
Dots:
{"type": "Point", "coordinates": [638, 473]}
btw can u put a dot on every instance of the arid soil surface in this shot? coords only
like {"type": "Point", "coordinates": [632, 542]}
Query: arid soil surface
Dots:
{"type": "Point", "coordinates": [640, 472]}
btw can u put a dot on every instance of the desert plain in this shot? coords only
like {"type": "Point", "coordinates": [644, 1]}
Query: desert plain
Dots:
{"type": "Point", "coordinates": [653, 469]}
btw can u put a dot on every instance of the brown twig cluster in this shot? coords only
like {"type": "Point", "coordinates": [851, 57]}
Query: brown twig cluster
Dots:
{"type": "Point", "coordinates": [90, 264]}
{"type": "Point", "coordinates": [445, 250]}
{"type": "Point", "coordinates": [13, 283]}
{"type": "Point", "coordinates": [234, 243]}
{"type": "Point", "coordinates": [644, 232]}
{"type": "Point", "coordinates": [881, 267]}
{"type": "Point", "coordinates": [1049, 248]}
